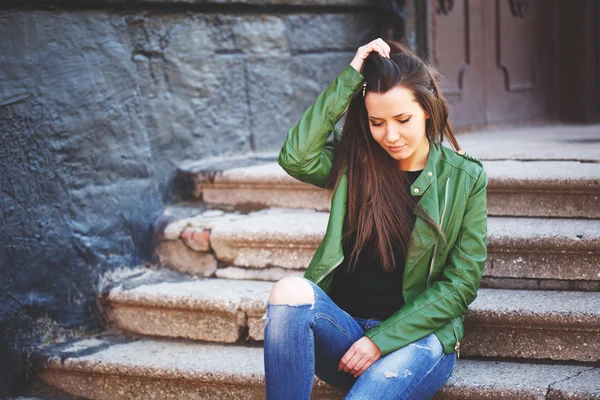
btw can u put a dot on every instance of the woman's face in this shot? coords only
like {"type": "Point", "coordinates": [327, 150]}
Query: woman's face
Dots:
{"type": "Point", "coordinates": [397, 123]}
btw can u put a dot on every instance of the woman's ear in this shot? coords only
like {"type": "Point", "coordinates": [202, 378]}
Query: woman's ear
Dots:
{"type": "Point", "coordinates": [427, 115]}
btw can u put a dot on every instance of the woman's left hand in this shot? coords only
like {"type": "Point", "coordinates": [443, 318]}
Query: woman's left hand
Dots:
{"type": "Point", "coordinates": [359, 357]}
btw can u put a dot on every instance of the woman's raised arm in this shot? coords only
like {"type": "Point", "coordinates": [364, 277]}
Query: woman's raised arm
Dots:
{"type": "Point", "coordinates": [306, 153]}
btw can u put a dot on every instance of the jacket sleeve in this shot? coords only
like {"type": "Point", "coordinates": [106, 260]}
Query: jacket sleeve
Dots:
{"type": "Point", "coordinates": [456, 288]}
{"type": "Point", "coordinates": [306, 153]}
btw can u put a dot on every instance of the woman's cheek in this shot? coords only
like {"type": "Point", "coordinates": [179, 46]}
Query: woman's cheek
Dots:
{"type": "Point", "coordinates": [377, 135]}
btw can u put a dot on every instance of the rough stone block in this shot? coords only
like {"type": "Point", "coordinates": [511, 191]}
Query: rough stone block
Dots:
{"type": "Point", "coordinates": [330, 32]}
{"type": "Point", "coordinates": [249, 34]}
{"type": "Point", "coordinates": [543, 189]}
{"type": "Point", "coordinates": [533, 324]}
{"type": "Point", "coordinates": [583, 386]}
{"type": "Point", "coordinates": [196, 239]}
{"type": "Point", "coordinates": [257, 187]}
{"type": "Point", "coordinates": [292, 84]}
{"type": "Point", "coordinates": [214, 310]}
{"type": "Point", "coordinates": [274, 237]}
{"type": "Point", "coordinates": [175, 254]}
{"type": "Point", "coordinates": [178, 323]}
{"type": "Point", "coordinates": [543, 248]}
{"type": "Point", "coordinates": [477, 380]}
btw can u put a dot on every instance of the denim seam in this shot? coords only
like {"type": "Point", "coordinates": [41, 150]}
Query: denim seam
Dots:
{"type": "Point", "coordinates": [311, 351]}
{"type": "Point", "coordinates": [326, 317]}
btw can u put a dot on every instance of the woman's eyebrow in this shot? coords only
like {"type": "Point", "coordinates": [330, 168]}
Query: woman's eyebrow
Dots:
{"type": "Point", "coordinates": [395, 116]}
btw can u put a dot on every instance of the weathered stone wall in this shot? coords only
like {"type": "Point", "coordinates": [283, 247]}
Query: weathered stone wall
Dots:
{"type": "Point", "coordinates": [98, 105]}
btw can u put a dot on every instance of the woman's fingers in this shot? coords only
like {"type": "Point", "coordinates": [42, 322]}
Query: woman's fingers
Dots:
{"type": "Point", "coordinates": [385, 46]}
{"type": "Point", "coordinates": [351, 360]}
{"type": "Point", "coordinates": [342, 365]}
{"type": "Point", "coordinates": [377, 45]}
{"type": "Point", "coordinates": [359, 367]}
{"type": "Point", "coordinates": [354, 359]}
{"type": "Point", "coordinates": [364, 368]}
{"type": "Point", "coordinates": [362, 53]}
{"type": "Point", "coordinates": [353, 363]}
{"type": "Point", "coordinates": [381, 50]}
{"type": "Point", "coordinates": [381, 44]}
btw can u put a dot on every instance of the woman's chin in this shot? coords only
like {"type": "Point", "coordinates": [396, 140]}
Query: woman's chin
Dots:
{"type": "Point", "coordinates": [398, 155]}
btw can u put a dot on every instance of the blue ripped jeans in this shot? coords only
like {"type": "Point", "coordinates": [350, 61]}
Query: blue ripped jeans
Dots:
{"type": "Point", "coordinates": [302, 340]}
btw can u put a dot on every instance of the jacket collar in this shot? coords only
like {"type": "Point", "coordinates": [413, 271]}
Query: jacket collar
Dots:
{"type": "Point", "coordinates": [426, 178]}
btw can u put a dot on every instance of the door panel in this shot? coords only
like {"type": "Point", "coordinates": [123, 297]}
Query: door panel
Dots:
{"type": "Point", "coordinates": [496, 58]}
{"type": "Point", "coordinates": [512, 86]}
{"type": "Point", "coordinates": [456, 58]}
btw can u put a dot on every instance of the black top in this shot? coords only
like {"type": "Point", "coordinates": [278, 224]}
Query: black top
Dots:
{"type": "Point", "coordinates": [370, 292]}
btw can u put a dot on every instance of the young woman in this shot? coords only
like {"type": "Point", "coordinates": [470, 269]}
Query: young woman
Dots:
{"type": "Point", "coordinates": [379, 311]}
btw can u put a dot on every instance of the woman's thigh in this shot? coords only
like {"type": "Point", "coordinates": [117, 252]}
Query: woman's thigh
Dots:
{"type": "Point", "coordinates": [416, 371]}
{"type": "Point", "coordinates": [334, 332]}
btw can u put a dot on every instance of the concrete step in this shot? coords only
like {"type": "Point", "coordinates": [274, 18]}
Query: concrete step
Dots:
{"type": "Point", "coordinates": [557, 142]}
{"type": "Point", "coordinates": [216, 310]}
{"type": "Point", "coordinates": [515, 187]}
{"type": "Point", "coordinates": [113, 368]}
{"type": "Point", "coordinates": [39, 390]}
{"type": "Point", "coordinates": [500, 323]}
{"type": "Point", "coordinates": [525, 253]}
{"type": "Point", "coordinates": [45, 397]}
{"type": "Point", "coordinates": [30, 398]}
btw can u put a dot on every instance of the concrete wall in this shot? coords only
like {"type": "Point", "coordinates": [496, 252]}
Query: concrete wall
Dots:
{"type": "Point", "coordinates": [98, 104]}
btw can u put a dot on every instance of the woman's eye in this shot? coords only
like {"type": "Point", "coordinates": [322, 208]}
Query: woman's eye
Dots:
{"type": "Point", "coordinates": [402, 121]}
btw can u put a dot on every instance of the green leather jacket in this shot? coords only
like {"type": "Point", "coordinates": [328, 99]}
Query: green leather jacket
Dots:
{"type": "Point", "coordinates": [440, 278]}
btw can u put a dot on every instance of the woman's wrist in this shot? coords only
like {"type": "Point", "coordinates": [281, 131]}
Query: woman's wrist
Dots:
{"type": "Point", "coordinates": [356, 64]}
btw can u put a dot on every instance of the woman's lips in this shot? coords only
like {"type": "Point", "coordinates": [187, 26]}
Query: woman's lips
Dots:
{"type": "Point", "coordinates": [396, 148]}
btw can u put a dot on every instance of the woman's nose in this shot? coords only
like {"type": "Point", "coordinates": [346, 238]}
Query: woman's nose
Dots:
{"type": "Point", "coordinates": [392, 136]}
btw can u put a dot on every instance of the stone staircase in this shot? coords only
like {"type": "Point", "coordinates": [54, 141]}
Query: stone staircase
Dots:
{"type": "Point", "coordinates": [194, 331]}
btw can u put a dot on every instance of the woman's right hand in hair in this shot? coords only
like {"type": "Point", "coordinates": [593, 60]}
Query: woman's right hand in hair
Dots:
{"type": "Point", "coordinates": [377, 45]}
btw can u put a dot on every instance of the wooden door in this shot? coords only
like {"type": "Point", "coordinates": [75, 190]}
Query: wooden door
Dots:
{"type": "Point", "coordinates": [496, 58]}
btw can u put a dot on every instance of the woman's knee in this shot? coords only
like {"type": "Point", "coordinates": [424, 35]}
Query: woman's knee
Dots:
{"type": "Point", "coordinates": [292, 290]}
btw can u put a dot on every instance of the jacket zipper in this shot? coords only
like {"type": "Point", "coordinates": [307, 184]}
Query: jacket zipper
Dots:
{"type": "Point", "coordinates": [457, 345]}
{"type": "Point", "coordinates": [441, 223]}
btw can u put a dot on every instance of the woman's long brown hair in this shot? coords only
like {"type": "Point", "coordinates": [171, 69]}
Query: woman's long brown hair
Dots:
{"type": "Point", "coordinates": [379, 199]}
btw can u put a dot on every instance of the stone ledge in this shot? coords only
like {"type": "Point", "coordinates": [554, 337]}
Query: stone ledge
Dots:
{"type": "Point", "coordinates": [557, 142]}
{"type": "Point", "coordinates": [509, 283]}
{"type": "Point", "coordinates": [499, 323]}
{"type": "Point", "coordinates": [544, 175]}
{"type": "Point", "coordinates": [517, 188]}
{"type": "Point", "coordinates": [534, 324]}
{"type": "Point", "coordinates": [583, 386]}
{"type": "Point", "coordinates": [215, 310]}
{"type": "Point", "coordinates": [527, 248]}
{"type": "Point", "coordinates": [109, 367]}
